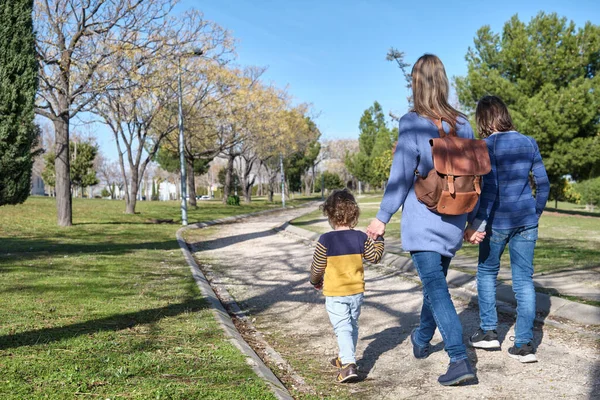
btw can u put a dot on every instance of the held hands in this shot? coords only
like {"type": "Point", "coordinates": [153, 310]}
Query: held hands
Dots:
{"type": "Point", "coordinates": [375, 229]}
{"type": "Point", "coordinates": [473, 237]}
{"type": "Point", "coordinates": [318, 286]}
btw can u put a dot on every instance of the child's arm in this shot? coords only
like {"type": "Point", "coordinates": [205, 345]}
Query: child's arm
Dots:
{"type": "Point", "coordinates": [317, 268]}
{"type": "Point", "coordinates": [374, 249]}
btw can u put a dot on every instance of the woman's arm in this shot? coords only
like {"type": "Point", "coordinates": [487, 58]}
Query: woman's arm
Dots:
{"type": "Point", "coordinates": [402, 173]}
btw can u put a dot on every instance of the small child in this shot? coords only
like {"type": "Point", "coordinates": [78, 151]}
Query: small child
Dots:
{"type": "Point", "coordinates": [337, 269]}
{"type": "Point", "coordinates": [509, 214]}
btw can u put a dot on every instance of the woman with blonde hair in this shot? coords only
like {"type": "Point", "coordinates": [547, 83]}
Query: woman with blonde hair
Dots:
{"type": "Point", "coordinates": [431, 238]}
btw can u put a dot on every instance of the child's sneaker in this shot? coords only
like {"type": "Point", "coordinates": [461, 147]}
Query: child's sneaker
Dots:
{"type": "Point", "coordinates": [348, 373]}
{"type": "Point", "coordinates": [485, 339]}
{"type": "Point", "coordinates": [524, 354]}
{"type": "Point", "coordinates": [336, 362]}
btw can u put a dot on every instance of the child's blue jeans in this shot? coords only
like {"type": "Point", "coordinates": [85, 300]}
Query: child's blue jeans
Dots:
{"type": "Point", "coordinates": [343, 313]}
{"type": "Point", "coordinates": [521, 243]}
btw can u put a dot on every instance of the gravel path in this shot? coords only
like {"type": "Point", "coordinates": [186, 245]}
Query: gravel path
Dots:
{"type": "Point", "coordinates": [267, 274]}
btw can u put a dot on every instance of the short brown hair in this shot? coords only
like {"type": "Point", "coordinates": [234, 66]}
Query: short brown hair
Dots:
{"type": "Point", "coordinates": [341, 208]}
{"type": "Point", "coordinates": [492, 116]}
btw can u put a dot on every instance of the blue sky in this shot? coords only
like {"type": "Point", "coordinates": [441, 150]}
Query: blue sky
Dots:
{"type": "Point", "coordinates": [331, 53]}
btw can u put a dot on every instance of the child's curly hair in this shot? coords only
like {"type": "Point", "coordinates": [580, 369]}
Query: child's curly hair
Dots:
{"type": "Point", "coordinates": [341, 208]}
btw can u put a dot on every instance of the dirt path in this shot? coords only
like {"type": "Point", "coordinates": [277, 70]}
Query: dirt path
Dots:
{"type": "Point", "coordinates": [267, 274]}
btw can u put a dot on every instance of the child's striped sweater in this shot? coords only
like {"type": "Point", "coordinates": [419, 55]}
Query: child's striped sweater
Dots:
{"type": "Point", "coordinates": [337, 261]}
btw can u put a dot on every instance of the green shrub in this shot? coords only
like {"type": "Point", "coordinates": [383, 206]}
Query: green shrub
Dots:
{"type": "Point", "coordinates": [233, 200]}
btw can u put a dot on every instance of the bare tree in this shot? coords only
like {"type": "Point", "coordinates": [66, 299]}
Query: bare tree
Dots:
{"type": "Point", "coordinates": [76, 38]}
{"type": "Point", "coordinates": [134, 111]}
{"type": "Point", "coordinates": [109, 174]}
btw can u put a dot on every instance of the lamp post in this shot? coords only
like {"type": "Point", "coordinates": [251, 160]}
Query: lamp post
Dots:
{"type": "Point", "coordinates": [282, 180]}
{"type": "Point", "coordinates": [184, 219]}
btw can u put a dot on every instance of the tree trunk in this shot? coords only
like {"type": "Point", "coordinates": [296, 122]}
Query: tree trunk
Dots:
{"type": "Point", "coordinates": [62, 189]}
{"type": "Point", "coordinates": [131, 199]}
{"type": "Point", "coordinates": [307, 184]}
{"type": "Point", "coordinates": [228, 179]}
{"type": "Point", "coordinates": [191, 183]}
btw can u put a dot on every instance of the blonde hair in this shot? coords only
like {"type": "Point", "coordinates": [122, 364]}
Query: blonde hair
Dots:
{"type": "Point", "coordinates": [491, 115]}
{"type": "Point", "coordinates": [341, 209]}
{"type": "Point", "coordinates": [431, 89]}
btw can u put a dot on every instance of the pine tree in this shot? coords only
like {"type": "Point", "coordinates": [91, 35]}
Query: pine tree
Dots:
{"type": "Point", "coordinates": [18, 86]}
{"type": "Point", "coordinates": [375, 139]}
{"type": "Point", "coordinates": [547, 73]}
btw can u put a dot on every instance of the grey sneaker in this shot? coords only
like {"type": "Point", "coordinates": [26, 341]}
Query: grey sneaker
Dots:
{"type": "Point", "coordinates": [485, 339]}
{"type": "Point", "coordinates": [524, 354]}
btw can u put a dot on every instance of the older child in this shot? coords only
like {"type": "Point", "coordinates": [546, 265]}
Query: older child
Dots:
{"type": "Point", "coordinates": [337, 269]}
{"type": "Point", "coordinates": [509, 213]}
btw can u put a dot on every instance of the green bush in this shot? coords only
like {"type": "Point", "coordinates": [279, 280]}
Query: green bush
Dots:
{"type": "Point", "coordinates": [589, 191]}
{"type": "Point", "coordinates": [233, 200]}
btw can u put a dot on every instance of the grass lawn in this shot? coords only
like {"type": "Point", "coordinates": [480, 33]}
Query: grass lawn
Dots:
{"type": "Point", "coordinates": [108, 308]}
{"type": "Point", "coordinates": [566, 241]}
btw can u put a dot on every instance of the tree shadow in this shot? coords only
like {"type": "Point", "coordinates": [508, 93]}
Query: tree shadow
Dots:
{"type": "Point", "coordinates": [23, 249]}
{"type": "Point", "coordinates": [595, 379]}
{"type": "Point", "coordinates": [310, 222]}
{"type": "Point", "coordinates": [112, 323]}
{"type": "Point", "coordinates": [219, 243]}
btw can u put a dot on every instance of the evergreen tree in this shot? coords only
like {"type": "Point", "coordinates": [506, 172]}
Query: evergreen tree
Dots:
{"type": "Point", "coordinates": [374, 140]}
{"type": "Point", "coordinates": [81, 166]}
{"type": "Point", "coordinates": [547, 73]}
{"type": "Point", "coordinates": [18, 86]}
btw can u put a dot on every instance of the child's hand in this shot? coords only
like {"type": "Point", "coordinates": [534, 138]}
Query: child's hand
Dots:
{"type": "Point", "coordinates": [318, 286]}
{"type": "Point", "coordinates": [474, 237]}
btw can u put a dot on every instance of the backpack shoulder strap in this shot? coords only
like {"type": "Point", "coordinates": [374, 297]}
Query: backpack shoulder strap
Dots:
{"type": "Point", "coordinates": [440, 126]}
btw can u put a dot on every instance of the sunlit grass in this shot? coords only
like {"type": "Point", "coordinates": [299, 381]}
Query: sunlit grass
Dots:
{"type": "Point", "coordinates": [107, 308]}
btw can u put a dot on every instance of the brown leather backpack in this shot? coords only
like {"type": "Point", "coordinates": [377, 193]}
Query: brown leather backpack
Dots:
{"type": "Point", "coordinates": [453, 186]}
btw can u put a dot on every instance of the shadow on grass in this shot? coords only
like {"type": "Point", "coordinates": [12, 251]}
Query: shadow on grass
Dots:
{"type": "Point", "coordinates": [32, 248]}
{"type": "Point", "coordinates": [573, 212]}
{"type": "Point", "coordinates": [112, 323]}
{"type": "Point", "coordinates": [555, 255]}
{"type": "Point", "coordinates": [309, 222]}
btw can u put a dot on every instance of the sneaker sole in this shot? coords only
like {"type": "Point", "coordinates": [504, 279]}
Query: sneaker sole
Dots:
{"type": "Point", "coordinates": [529, 358]}
{"type": "Point", "coordinates": [349, 378]}
{"type": "Point", "coordinates": [485, 344]}
{"type": "Point", "coordinates": [459, 380]}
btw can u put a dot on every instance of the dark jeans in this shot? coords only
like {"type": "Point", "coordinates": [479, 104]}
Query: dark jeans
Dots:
{"type": "Point", "coordinates": [438, 309]}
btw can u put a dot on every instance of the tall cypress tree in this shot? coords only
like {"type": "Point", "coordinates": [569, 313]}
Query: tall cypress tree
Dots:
{"type": "Point", "coordinates": [18, 86]}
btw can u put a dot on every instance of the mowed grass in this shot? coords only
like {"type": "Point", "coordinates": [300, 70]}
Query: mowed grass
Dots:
{"type": "Point", "coordinates": [565, 241]}
{"type": "Point", "coordinates": [108, 308]}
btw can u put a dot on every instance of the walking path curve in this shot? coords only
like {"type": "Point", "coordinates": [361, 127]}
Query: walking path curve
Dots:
{"type": "Point", "coordinates": [265, 267]}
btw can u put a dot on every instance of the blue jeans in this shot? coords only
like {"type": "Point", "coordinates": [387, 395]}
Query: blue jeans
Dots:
{"type": "Point", "coordinates": [438, 309]}
{"type": "Point", "coordinates": [521, 242]}
{"type": "Point", "coordinates": [343, 313]}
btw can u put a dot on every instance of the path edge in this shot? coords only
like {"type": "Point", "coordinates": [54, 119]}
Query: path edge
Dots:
{"type": "Point", "coordinates": [221, 315]}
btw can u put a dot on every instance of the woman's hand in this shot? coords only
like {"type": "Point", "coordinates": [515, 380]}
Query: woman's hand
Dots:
{"type": "Point", "coordinates": [375, 229]}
